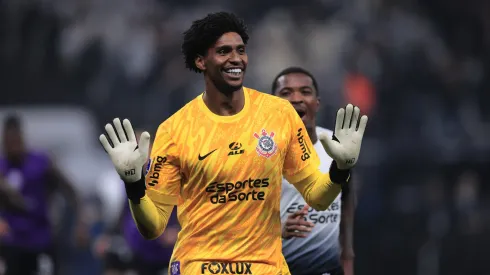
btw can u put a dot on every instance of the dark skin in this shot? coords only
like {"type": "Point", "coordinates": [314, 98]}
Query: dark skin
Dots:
{"type": "Point", "coordinates": [298, 89]}
{"type": "Point", "coordinates": [224, 91]}
{"type": "Point", "coordinates": [15, 150]}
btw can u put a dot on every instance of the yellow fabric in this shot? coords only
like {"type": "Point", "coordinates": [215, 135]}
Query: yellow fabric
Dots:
{"type": "Point", "coordinates": [224, 173]}
{"type": "Point", "coordinates": [318, 190]}
{"type": "Point", "coordinates": [150, 218]}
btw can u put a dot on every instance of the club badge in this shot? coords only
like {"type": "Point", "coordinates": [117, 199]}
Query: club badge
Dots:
{"type": "Point", "coordinates": [266, 146]}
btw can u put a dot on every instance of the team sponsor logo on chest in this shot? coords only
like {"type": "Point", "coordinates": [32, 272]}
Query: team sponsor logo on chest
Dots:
{"type": "Point", "coordinates": [266, 146]}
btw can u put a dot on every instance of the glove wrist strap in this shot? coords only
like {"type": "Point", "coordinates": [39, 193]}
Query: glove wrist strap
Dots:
{"type": "Point", "coordinates": [135, 190]}
{"type": "Point", "coordinates": [339, 176]}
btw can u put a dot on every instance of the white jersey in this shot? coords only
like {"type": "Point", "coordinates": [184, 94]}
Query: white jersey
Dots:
{"type": "Point", "coordinates": [320, 251]}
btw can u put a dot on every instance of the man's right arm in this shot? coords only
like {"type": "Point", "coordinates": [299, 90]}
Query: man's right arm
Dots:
{"type": "Point", "coordinates": [152, 200]}
{"type": "Point", "coordinates": [151, 219]}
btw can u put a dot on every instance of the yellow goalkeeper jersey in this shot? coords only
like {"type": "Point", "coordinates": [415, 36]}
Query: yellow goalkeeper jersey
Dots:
{"type": "Point", "coordinates": [224, 173]}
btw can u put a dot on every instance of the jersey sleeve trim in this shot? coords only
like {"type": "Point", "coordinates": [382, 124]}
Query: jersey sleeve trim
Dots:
{"type": "Point", "coordinates": [162, 198]}
{"type": "Point", "coordinates": [302, 174]}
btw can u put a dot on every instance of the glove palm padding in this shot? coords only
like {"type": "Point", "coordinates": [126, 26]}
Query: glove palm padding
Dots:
{"type": "Point", "coordinates": [349, 134]}
{"type": "Point", "coordinates": [128, 157]}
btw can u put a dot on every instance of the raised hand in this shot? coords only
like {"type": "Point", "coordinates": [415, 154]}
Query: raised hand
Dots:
{"type": "Point", "coordinates": [127, 155]}
{"type": "Point", "coordinates": [349, 133]}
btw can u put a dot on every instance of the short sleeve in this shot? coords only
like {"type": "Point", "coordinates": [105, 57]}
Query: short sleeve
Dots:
{"type": "Point", "coordinates": [301, 158]}
{"type": "Point", "coordinates": [163, 178]}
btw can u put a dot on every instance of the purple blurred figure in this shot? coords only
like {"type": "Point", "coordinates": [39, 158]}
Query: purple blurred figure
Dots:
{"type": "Point", "coordinates": [124, 249]}
{"type": "Point", "coordinates": [27, 241]}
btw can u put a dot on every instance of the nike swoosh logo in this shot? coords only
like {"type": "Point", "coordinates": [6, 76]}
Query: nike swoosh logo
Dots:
{"type": "Point", "coordinates": [206, 155]}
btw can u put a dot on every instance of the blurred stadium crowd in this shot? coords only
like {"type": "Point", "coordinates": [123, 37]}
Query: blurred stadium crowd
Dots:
{"type": "Point", "coordinates": [419, 69]}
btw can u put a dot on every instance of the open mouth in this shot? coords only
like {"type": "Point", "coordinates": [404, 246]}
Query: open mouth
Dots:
{"type": "Point", "coordinates": [301, 113]}
{"type": "Point", "coordinates": [233, 72]}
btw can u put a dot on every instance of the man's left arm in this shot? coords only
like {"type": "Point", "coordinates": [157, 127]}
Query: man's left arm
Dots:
{"type": "Point", "coordinates": [301, 163]}
{"type": "Point", "coordinates": [346, 236]}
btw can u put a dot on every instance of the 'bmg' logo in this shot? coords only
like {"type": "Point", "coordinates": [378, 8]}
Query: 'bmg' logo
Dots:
{"type": "Point", "coordinates": [226, 268]}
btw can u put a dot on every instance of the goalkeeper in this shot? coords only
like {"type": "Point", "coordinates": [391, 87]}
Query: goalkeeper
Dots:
{"type": "Point", "coordinates": [221, 159]}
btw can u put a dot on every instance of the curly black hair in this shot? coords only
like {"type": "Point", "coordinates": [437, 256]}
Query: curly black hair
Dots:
{"type": "Point", "coordinates": [204, 32]}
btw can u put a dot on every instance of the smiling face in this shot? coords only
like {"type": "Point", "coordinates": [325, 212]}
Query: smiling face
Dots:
{"type": "Point", "coordinates": [298, 89]}
{"type": "Point", "coordinates": [225, 62]}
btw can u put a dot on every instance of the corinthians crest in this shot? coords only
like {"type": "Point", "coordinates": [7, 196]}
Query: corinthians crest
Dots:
{"type": "Point", "coordinates": [266, 147]}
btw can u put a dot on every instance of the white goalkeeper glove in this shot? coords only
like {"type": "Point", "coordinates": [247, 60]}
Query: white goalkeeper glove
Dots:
{"type": "Point", "coordinates": [127, 155]}
{"type": "Point", "coordinates": [349, 133]}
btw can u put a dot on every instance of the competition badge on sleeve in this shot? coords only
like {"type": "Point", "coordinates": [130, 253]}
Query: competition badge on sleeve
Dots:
{"type": "Point", "coordinates": [266, 146]}
{"type": "Point", "coordinates": [175, 268]}
{"type": "Point", "coordinates": [148, 166]}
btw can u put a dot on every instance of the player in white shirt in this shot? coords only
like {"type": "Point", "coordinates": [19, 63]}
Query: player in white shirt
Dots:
{"type": "Point", "coordinates": [314, 242]}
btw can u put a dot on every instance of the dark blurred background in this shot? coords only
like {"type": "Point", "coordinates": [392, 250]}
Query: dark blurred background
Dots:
{"type": "Point", "coordinates": [419, 68]}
